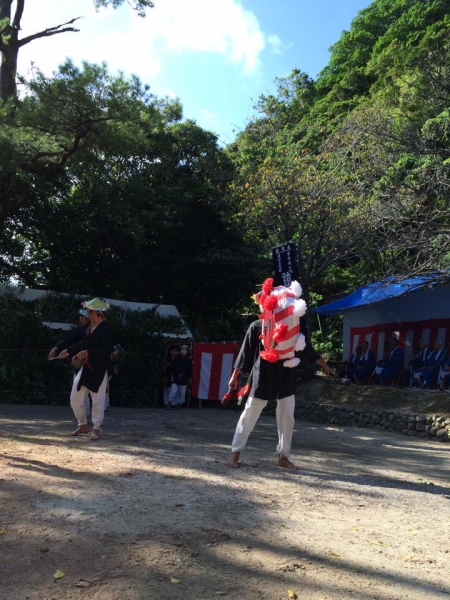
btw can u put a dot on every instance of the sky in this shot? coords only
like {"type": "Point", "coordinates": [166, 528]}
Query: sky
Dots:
{"type": "Point", "coordinates": [216, 56]}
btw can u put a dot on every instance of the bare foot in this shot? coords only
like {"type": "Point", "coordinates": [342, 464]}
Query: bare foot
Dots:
{"type": "Point", "coordinates": [286, 463]}
{"type": "Point", "coordinates": [234, 460]}
{"type": "Point", "coordinates": [95, 435]}
{"type": "Point", "coordinates": [80, 429]}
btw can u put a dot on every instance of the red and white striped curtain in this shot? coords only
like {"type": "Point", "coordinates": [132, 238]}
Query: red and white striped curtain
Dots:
{"type": "Point", "coordinates": [212, 368]}
{"type": "Point", "coordinates": [407, 334]}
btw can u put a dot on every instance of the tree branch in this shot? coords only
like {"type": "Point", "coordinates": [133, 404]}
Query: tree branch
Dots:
{"type": "Point", "coordinates": [18, 15]}
{"type": "Point", "coordinates": [50, 31]}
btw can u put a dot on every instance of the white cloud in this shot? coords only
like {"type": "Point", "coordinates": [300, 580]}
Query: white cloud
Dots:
{"type": "Point", "coordinates": [275, 43]}
{"type": "Point", "coordinates": [135, 45]}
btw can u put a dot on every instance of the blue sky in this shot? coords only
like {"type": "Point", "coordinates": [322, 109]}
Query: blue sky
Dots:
{"type": "Point", "coordinates": [216, 56]}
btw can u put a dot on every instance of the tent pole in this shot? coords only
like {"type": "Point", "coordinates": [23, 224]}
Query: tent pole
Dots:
{"type": "Point", "coordinates": [320, 325]}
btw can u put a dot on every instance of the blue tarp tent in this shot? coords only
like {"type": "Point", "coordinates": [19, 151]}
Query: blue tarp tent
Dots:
{"type": "Point", "coordinates": [376, 292]}
{"type": "Point", "coordinates": [411, 309]}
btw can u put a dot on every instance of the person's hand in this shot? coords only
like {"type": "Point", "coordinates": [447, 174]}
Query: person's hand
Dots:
{"type": "Point", "coordinates": [327, 370]}
{"type": "Point", "coordinates": [52, 353]}
{"type": "Point", "coordinates": [232, 384]}
{"type": "Point", "coordinates": [63, 354]}
{"type": "Point", "coordinates": [82, 355]}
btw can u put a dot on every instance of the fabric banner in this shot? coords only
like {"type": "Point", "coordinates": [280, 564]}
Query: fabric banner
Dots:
{"type": "Point", "coordinates": [285, 264]}
{"type": "Point", "coordinates": [212, 368]}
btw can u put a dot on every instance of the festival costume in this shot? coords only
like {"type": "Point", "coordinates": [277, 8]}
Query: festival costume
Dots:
{"type": "Point", "coordinates": [73, 337]}
{"type": "Point", "coordinates": [93, 377]}
{"type": "Point", "coordinates": [268, 353]}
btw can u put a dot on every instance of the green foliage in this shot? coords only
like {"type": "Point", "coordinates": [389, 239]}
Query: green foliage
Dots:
{"type": "Point", "coordinates": [112, 180]}
{"type": "Point", "coordinates": [105, 189]}
{"type": "Point", "coordinates": [139, 6]}
{"type": "Point", "coordinates": [27, 376]}
{"type": "Point", "coordinates": [354, 166]}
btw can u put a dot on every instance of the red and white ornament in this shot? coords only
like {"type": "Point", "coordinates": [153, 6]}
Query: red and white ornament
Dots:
{"type": "Point", "coordinates": [281, 309]}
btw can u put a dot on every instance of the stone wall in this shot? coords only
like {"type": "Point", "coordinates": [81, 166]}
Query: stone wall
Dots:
{"type": "Point", "coordinates": [412, 424]}
{"type": "Point", "coordinates": [415, 414]}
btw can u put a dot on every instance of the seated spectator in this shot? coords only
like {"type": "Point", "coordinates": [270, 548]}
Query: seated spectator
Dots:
{"type": "Point", "coordinates": [416, 363]}
{"type": "Point", "coordinates": [351, 362]}
{"type": "Point", "coordinates": [392, 365]}
{"type": "Point", "coordinates": [365, 365]}
{"type": "Point", "coordinates": [430, 370]}
{"type": "Point", "coordinates": [444, 374]}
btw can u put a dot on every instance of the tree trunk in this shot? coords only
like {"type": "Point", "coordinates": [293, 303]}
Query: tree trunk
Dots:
{"type": "Point", "coordinates": [8, 72]}
{"type": "Point", "coordinates": [9, 47]}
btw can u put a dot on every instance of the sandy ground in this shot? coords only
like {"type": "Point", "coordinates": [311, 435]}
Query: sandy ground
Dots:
{"type": "Point", "coordinates": [152, 512]}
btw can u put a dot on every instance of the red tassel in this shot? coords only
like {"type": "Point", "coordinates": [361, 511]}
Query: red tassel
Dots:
{"type": "Point", "coordinates": [281, 333]}
{"type": "Point", "coordinates": [269, 355]}
{"type": "Point", "coordinates": [262, 299]}
{"type": "Point", "coordinates": [243, 392]}
{"type": "Point", "coordinates": [271, 303]}
{"type": "Point", "coordinates": [230, 396]}
{"type": "Point", "coordinates": [267, 285]}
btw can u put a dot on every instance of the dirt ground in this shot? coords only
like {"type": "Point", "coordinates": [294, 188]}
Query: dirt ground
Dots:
{"type": "Point", "coordinates": [152, 512]}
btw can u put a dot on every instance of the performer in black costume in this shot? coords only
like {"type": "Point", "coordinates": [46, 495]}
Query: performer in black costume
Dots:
{"type": "Point", "coordinates": [73, 337]}
{"type": "Point", "coordinates": [271, 380]}
{"type": "Point", "coordinates": [95, 352]}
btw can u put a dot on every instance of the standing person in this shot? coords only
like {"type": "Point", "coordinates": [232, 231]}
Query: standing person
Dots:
{"type": "Point", "coordinates": [266, 346]}
{"type": "Point", "coordinates": [173, 351]}
{"type": "Point", "coordinates": [73, 337]}
{"type": "Point", "coordinates": [95, 352]}
{"type": "Point", "coordinates": [181, 377]}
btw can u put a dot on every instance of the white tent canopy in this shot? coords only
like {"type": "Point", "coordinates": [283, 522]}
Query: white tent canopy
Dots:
{"type": "Point", "coordinates": [163, 310]}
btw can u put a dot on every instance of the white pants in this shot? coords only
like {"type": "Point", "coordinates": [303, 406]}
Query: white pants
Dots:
{"type": "Point", "coordinates": [166, 395]}
{"type": "Point", "coordinates": [87, 401]}
{"type": "Point", "coordinates": [174, 390]}
{"type": "Point", "coordinates": [78, 399]}
{"type": "Point", "coordinates": [285, 424]}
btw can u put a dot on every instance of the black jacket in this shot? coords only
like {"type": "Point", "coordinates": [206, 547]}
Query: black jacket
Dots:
{"type": "Point", "coordinates": [269, 380]}
{"type": "Point", "coordinates": [73, 337]}
{"type": "Point", "coordinates": [181, 369]}
{"type": "Point", "coordinates": [98, 343]}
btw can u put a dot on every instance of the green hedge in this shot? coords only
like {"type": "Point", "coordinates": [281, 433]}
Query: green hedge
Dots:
{"type": "Point", "coordinates": [26, 376]}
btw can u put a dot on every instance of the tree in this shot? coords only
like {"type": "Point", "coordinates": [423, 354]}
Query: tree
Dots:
{"type": "Point", "coordinates": [11, 43]}
{"type": "Point", "coordinates": [354, 166]}
{"type": "Point", "coordinates": [136, 211]}
{"type": "Point", "coordinates": [60, 118]}
{"type": "Point", "coordinates": [313, 199]}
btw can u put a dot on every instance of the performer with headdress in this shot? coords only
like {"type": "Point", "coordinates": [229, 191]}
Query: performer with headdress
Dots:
{"type": "Point", "coordinates": [268, 354]}
{"type": "Point", "coordinates": [94, 352]}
